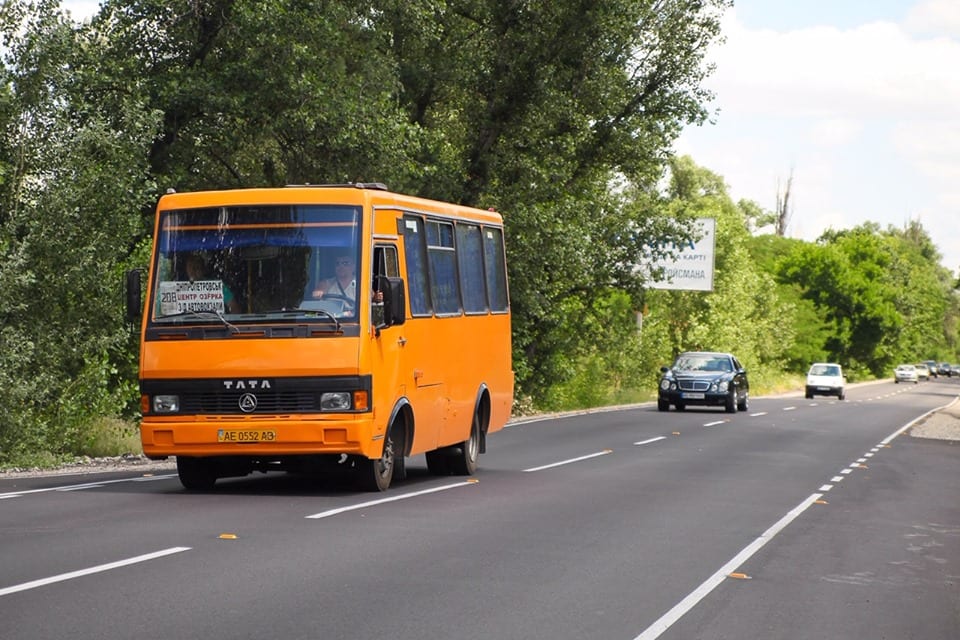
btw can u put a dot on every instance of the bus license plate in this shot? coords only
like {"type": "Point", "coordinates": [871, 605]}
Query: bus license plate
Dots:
{"type": "Point", "coordinates": [693, 396]}
{"type": "Point", "coordinates": [246, 435]}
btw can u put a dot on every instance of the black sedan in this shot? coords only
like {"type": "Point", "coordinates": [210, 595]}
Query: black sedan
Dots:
{"type": "Point", "coordinates": [704, 378]}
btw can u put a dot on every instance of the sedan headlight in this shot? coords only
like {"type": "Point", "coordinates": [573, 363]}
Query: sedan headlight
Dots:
{"type": "Point", "coordinates": [720, 386]}
{"type": "Point", "coordinates": [665, 384]}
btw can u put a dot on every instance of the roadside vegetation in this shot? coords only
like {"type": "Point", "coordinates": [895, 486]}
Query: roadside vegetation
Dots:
{"type": "Point", "coordinates": [560, 118]}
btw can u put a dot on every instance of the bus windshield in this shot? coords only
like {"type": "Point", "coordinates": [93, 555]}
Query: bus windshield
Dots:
{"type": "Point", "coordinates": [255, 262]}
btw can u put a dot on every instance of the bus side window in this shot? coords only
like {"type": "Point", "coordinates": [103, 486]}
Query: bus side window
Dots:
{"type": "Point", "coordinates": [385, 264]}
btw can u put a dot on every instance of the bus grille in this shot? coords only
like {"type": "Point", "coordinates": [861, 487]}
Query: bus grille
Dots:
{"type": "Point", "coordinates": [267, 402]}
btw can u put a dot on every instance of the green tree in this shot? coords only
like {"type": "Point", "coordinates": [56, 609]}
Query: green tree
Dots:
{"type": "Point", "coordinates": [743, 314]}
{"type": "Point", "coordinates": [74, 176]}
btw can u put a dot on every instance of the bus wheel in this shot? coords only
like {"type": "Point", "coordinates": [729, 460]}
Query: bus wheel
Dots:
{"type": "Point", "coordinates": [196, 473]}
{"type": "Point", "coordinates": [464, 460]}
{"type": "Point", "coordinates": [376, 475]}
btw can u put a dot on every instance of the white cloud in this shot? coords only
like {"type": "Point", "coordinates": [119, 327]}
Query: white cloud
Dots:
{"type": "Point", "coordinates": [935, 17]}
{"type": "Point", "coordinates": [865, 117]}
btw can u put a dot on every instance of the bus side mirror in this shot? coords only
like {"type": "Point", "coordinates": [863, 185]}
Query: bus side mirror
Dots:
{"type": "Point", "coordinates": [133, 295]}
{"type": "Point", "coordinates": [394, 301]}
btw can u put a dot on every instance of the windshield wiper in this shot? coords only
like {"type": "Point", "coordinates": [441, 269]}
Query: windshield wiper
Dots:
{"type": "Point", "coordinates": [297, 311]}
{"type": "Point", "coordinates": [202, 315]}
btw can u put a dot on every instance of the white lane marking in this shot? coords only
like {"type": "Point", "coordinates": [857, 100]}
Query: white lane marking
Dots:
{"type": "Point", "coordinates": [846, 471]}
{"type": "Point", "coordinates": [825, 487]}
{"type": "Point", "coordinates": [854, 465]}
{"type": "Point", "coordinates": [714, 423]}
{"type": "Point", "coordinates": [666, 620]}
{"type": "Point", "coordinates": [657, 439]}
{"type": "Point", "coordinates": [373, 503]}
{"type": "Point", "coordinates": [759, 413]}
{"type": "Point", "coordinates": [868, 455]}
{"type": "Point", "coordinates": [570, 461]}
{"type": "Point", "coordinates": [861, 460]}
{"type": "Point", "coordinates": [85, 485]}
{"type": "Point", "coordinates": [789, 408]}
{"type": "Point", "coordinates": [836, 479]}
{"type": "Point", "coordinates": [86, 572]}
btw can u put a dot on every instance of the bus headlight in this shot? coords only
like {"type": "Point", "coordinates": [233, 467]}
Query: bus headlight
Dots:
{"type": "Point", "coordinates": [166, 404]}
{"type": "Point", "coordinates": [335, 401]}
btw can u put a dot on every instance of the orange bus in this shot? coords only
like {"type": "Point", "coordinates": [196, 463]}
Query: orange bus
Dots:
{"type": "Point", "coordinates": [321, 327]}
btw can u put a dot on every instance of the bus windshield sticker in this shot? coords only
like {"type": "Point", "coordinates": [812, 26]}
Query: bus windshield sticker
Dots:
{"type": "Point", "coordinates": [182, 295]}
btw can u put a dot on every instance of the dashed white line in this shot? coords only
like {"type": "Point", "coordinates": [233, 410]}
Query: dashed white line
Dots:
{"type": "Point", "coordinates": [570, 461]}
{"type": "Point", "coordinates": [373, 503]}
{"type": "Point", "coordinates": [85, 572]}
{"type": "Point", "coordinates": [657, 439]}
{"type": "Point", "coordinates": [85, 485]}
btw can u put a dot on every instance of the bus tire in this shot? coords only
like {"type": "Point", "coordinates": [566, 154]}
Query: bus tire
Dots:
{"type": "Point", "coordinates": [463, 461]}
{"type": "Point", "coordinates": [377, 474]}
{"type": "Point", "coordinates": [196, 474]}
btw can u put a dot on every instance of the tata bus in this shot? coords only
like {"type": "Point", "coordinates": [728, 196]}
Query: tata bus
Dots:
{"type": "Point", "coordinates": [306, 328]}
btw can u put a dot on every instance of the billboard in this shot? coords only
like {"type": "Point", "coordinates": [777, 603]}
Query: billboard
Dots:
{"type": "Point", "coordinates": [692, 268]}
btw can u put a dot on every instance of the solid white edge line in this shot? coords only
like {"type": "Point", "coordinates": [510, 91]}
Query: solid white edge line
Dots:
{"type": "Point", "coordinates": [711, 583]}
{"type": "Point", "coordinates": [657, 439]}
{"type": "Point", "coordinates": [85, 572]}
{"type": "Point", "coordinates": [373, 503]}
{"type": "Point", "coordinates": [570, 461]}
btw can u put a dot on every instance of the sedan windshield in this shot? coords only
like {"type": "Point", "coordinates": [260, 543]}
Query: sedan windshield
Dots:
{"type": "Point", "coordinates": [702, 363]}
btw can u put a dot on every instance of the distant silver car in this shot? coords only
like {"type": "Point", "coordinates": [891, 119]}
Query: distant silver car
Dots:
{"type": "Point", "coordinates": [906, 373]}
{"type": "Point", "coordinates": [825, 379]}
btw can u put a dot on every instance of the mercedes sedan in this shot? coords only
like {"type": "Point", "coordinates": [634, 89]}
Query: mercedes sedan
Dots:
{"type": "Point", "coordinates": [704, 378]}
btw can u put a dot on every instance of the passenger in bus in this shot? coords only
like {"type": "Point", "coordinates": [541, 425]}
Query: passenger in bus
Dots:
{"type": "Point", "coordinates": [197, 270]}
{"type": "Point", "coordinates": [343, 285]}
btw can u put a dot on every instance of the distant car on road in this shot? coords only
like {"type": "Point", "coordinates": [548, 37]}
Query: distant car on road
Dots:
{"type": "Point", "coordinates": [704, 378]}
{"type": "Point", "coordinates": [923, 371]}
{"type": "Point", "coordinates": [825, 379]}
{"type": "Point", "coordinates": [945, 369]}
{"type": "Point", "coordinates": [906, 373]}
{"type": "Point", "coordinates": [955, 369]}
{"type": "Point", "coordinates": [933, 366]}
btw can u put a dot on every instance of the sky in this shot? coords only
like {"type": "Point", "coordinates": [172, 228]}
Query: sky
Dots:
{"type": "Point", "coordinates": [857, 100]}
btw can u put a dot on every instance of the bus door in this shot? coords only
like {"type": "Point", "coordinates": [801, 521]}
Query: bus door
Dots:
{"type": "Point", "coordinates": [389, 358]}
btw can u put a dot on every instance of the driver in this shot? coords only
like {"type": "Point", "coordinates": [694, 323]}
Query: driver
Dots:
{"type": "Point", "coordinates": [343, 285]}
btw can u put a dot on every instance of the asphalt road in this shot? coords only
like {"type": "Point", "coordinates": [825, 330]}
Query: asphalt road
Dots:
{"type": "Point", "coordinates": [798, 519]}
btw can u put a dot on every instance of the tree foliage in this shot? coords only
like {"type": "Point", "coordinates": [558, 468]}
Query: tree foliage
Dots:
{"type": "Point", "coordinates": [560, 114]}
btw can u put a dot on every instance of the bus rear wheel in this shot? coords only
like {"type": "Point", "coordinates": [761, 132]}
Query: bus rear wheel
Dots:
{"type": "Point", "coordinates": [197, 474]}
{"type": "Point", "coordinates": [459, 459]}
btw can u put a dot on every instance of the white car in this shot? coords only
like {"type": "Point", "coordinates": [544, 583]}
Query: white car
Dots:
{"type": "Point", "coordinates": [906, 373]}
{"type": "Point", "coordinates": [825, 379]}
